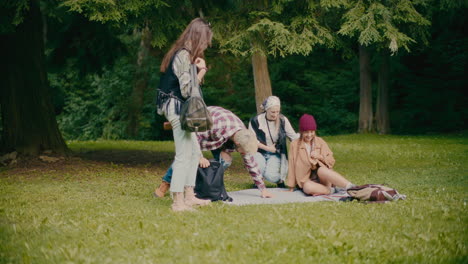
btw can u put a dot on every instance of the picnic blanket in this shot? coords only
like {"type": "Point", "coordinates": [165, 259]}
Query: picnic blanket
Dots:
{"type": "Point", "coordinates": [252, 196]}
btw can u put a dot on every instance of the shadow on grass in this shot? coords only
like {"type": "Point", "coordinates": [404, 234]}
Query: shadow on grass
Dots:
{"type": "Point", "coordinates": [127, 157]}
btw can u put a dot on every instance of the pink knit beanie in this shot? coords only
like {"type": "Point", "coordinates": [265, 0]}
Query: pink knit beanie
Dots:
{"type": "Point", "coordinates": [307, 122]}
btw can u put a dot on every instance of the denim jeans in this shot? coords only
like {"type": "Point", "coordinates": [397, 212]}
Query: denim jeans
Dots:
{"type": "Point", "coordinates": [216, 155]}
{"type": "Point", "coordinates": [269, 165]}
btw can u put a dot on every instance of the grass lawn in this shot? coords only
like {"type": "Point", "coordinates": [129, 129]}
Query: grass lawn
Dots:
{"type": "Point", "coordinates": [97, 207]}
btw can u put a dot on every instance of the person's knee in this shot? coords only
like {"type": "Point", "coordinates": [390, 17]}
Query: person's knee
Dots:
{"type": "Point", "coordinates": [272, 171]}
{"type": "Point", "coordinates": [272, 177]}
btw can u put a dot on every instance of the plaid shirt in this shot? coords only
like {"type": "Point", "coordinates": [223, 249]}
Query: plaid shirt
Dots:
{"type": "Point", "coordinates": [225, 125]}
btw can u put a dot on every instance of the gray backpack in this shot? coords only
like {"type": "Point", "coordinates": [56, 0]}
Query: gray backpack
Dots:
{"type": "Point", "coordinates": [194, 116]}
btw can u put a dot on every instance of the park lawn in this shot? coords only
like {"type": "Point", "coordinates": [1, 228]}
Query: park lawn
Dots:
{"type": "Point", "coordinates": [97, 207]}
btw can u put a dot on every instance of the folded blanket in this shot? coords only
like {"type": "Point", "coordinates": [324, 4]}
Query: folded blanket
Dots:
{"type": "Point", "coordinates": [281, 196]}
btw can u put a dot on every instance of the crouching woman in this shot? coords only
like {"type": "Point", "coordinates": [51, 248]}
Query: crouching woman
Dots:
{"type": "Point", "coordinates": [311, 162]}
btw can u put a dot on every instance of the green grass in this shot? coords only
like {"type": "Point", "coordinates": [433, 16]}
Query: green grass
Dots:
{"type": "Point", "coordinates": [97, 207]}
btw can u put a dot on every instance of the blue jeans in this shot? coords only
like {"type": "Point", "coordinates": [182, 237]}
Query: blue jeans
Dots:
{"type": "Point", "coordinates": [216, 155]}
{"type": "Point", "coordinates": [269, 165]}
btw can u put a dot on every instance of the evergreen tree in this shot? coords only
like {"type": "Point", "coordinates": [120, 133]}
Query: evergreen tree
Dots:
{"type": "Point", "coordinates": [28, 118]}
{"type": "Point", "coordinates": [270, 28]}
{"type": "Point", "coordinates": [383, 25]}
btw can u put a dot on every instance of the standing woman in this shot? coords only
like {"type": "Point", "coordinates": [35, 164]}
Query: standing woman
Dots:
{"type": "Point", "coordinates": [311, 162]}
{"type": "Point", "coordinates": [272, 130]}
{"type": "Point", "coordinates": [174, 89]}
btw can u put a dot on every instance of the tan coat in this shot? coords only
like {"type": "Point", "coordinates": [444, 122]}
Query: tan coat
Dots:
{"type": "Point", "coordinates": [301, 164]}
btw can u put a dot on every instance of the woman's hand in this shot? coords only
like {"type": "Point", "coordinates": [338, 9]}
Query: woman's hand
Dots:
{"type": "Point", "coordinates": [204, 163]}
{"type": "Point", "coordinates": [271, 148]}
{"type": "Point", "coordinates": [201, 64]}
{"type": "Point", "coordinates": [267, 148]}
{"type": "Point", "coordinates": [316, 155]}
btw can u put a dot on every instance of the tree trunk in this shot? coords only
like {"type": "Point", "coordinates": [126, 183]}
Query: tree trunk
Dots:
{"type": "Point", "coordinates": [381, 116]}
{"type": "Point", "coordinates": [261, 78]}
{"type": "Point", "coordinates": [28, 118]}
{"type": "Point", "coordinates": [140, 86]}
{"type": "Point", "coordinates": [365, 95]}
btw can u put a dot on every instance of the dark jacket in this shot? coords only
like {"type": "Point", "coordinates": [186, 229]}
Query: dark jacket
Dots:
{"type": "Point", "coordinates": [169, 87]}
{"type": "Point", "coordinates": [281, 146]}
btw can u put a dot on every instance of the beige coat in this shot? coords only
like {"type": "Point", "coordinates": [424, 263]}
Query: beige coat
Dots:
{"type": "Point", "coordinates": [301, 164]}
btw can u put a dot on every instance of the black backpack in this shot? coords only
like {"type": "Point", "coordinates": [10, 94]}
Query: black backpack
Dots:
{"type": "Point", "coordinates": [210, 183]}
{"type": "Point", "coordinates": [194, 116]}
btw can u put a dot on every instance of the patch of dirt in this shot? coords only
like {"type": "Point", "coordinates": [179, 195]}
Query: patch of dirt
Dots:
{"type": "Point", "coordinates": [90, 161]}
{"type": "Point", "coordinates": [35, 166]}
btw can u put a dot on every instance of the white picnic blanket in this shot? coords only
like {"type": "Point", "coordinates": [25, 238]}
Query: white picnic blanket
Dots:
{"type": "Point", "coordinates": [281, 196]}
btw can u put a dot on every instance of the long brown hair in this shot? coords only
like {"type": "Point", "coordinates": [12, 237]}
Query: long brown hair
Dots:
{"type": "Point", "coordinates": [195, 38]}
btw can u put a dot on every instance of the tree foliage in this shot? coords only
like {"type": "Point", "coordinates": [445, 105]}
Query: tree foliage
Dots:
{"type": "Point", "coordinates": [12, 14]}
{"type": "Point", "coordinates": [276, 28]}
{"type": "Point", "coordinates": [392, 23]}
{"type": "Point", "coordinates": [112, 10]}
{"type": "Point", "coordinates": [91, 49]}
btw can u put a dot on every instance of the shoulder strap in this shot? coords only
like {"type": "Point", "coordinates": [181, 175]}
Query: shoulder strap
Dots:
{"type": "Point", "coordinates": [194, 85]}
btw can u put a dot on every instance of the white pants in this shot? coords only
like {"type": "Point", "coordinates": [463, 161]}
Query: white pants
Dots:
{"type": "Point", "coordinates": [187, 154]}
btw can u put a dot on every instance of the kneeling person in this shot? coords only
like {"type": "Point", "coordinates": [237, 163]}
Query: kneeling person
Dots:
{"type": "Point", "coordinates": [227, 135]}
{"type": "Point", "coordinates": [272, 130]}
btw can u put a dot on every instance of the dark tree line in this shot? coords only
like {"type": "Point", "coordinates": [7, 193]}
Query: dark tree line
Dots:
{"type": "Point", "coordinates": [390, 67]}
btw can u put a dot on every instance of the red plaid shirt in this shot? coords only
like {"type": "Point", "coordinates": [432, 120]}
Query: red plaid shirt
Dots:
{"type": "Point", "coordinates": [225, 125]}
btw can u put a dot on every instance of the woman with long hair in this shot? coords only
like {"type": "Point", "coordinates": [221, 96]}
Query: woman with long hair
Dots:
{"type": "Point", "coordinates": [311, 162]}
{"type": "Point", "coordinates": [174, 89]}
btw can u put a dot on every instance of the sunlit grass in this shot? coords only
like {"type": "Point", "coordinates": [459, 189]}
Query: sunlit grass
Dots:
{"type": "Point", "coordinates": [98, 208]}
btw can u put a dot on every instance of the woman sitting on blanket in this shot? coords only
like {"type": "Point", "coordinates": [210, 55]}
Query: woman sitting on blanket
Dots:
{"type": "Point", "coordinates": [311, 162]}
{"type": "Point", "coordinates": [272, 129]}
